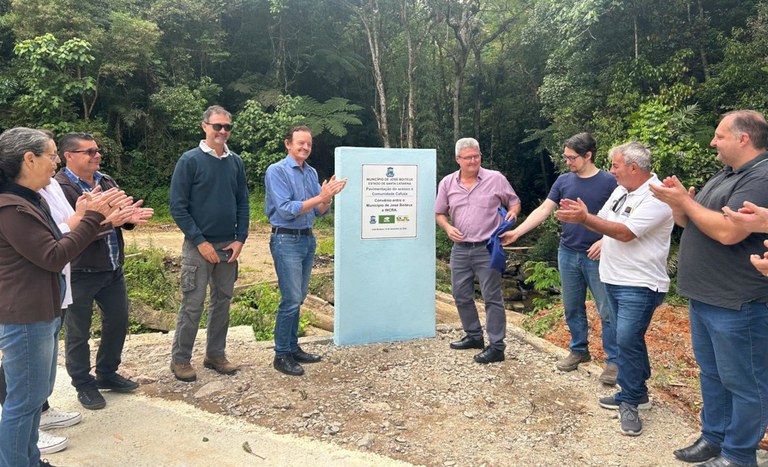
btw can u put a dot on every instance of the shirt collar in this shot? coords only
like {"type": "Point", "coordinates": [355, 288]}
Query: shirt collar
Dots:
{"type": "Point", "coordinates": [208, 150]}
{"type": "Point", "coordinates": [19, 190]}
{"type": "Point", "coordinates": [480, 174]}
{"type": "Point", "coordinates": [75, 179]}
{"type": "Point", "coordinates": [760, 159]}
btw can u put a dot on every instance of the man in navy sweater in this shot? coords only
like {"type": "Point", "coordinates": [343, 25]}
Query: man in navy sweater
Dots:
{"type": "Point", "coordinates": [209, 202]}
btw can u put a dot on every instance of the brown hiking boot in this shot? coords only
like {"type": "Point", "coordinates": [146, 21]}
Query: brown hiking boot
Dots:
{"type": "Point", "coordinates": [221, 365]}
{"type": "Point", "coordinates": [609, 375]}
{"type": "Point", "coordinates": [571, 362]}
{"type": "Point", "coordinates": [183, 372]}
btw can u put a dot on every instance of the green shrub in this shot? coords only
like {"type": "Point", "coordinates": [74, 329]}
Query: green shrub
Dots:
{"type": "Point", "coordinates": [147, 280]}
{"type": "Point", "coordinates": [545, 248]}
{"type": "Point", "coordinates": [257, 307]}
{"type": "Point", "coordinates": [542, 322]}
{"type": "Point", "coordinates": [443, 276]}
{"type": "Point", "coordinates": [443, 245]}
{"type": "Point", "coordinates": [325, 245]}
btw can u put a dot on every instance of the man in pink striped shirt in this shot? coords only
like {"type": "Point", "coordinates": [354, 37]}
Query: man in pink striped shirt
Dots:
{"type": "Point", "coordinates": [470, 197]}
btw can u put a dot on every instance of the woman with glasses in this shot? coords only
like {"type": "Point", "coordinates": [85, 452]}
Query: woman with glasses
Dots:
{"type": "Point", "coordinates": [33, 253]}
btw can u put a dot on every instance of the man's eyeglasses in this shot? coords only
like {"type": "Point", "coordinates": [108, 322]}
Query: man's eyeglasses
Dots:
{"type": "Point", "coordinates": [616, 206]}
{"type": "Point", "coordinates": [91, 152]}
{"type": "Point", "coordinates": [571, 158]}
{"type": "Point", "coordinates": [473, 157]}
{"type": "Point", "coordinates": [220, 126]}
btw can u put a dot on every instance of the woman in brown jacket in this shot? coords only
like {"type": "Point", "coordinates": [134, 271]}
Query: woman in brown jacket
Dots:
{"type": "Point", "coordinates": [32, 254]}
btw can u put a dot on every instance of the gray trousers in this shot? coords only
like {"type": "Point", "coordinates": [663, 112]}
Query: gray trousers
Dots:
{"type": "Point", "coordinates": [196, 275]}
{"type": "Point", "coordinates": [466, 262]}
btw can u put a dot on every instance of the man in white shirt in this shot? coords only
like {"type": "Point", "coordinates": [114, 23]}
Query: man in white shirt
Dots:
{"type": "Point", "coordinates": [636, 230]}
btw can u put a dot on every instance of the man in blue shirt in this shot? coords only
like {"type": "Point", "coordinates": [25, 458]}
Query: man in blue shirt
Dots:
{"type": "Point", "coordinates": [294, 198]}
{"type": "Point", "coordinates": [579, 252]}
{"type": "Point", "coordinates": [209, 202]}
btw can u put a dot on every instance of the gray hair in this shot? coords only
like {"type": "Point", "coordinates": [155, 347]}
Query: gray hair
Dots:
{"type": "Point", "coordinates": [465, 143]}
{"type": "Point", "coordinates": [215, 109]}
{"type": "Point", "coordinates": [634, 153]}
{"type": "Point", "coordinates": [14, 143]}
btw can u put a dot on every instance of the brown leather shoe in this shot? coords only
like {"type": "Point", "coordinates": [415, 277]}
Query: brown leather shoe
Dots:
{"type": "Point", "coordinates": [221, 365]}
{"type": "Point", "coordinates": [609, 375]}
{"type": "Point", "coordinates": [571, 362]}
{"type": "Point", "coordinates": [183, 372]}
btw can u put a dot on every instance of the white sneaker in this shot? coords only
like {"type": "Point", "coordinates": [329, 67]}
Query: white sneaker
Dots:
{"type": "Point", "coordinates": [55, 418]}
{"type": "Point", "coordinates": [48, 443]}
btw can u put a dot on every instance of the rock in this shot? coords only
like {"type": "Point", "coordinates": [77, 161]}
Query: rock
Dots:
{"type": "Point", "coordinates": [211, 388]}
{"type": "Point", "coordinates": [366, 441]}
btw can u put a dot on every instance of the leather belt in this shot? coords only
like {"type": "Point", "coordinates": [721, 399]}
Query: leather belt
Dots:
{"type": "Point", "coordinates": [283, 230]}
{"type": "Point", "coordinates": [472, 244]}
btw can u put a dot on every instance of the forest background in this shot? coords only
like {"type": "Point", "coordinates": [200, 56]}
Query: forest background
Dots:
{"type": "Point", "coordinates": [519, 75]}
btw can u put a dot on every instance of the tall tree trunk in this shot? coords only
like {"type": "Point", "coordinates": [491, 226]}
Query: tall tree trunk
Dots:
{"type": "Point", "coordinates": [701, 28]}
{"type": "Point", "coordinates": [370, 16]}
{"type": "Point", "coordinates": [478, 91]}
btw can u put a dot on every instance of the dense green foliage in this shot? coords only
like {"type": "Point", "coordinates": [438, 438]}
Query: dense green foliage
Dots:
{"type": "Point", "coordinates": [148, 279]}
{"type": "Point", "coordinates": [521, 76]}
{"type": "Point", "coordinates": [257, 307]}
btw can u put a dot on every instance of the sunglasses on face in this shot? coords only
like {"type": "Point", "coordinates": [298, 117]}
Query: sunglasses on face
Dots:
{"type": "Point", "coordinates": [91, 152]}
{"type": "Point", "coordinates": [220, 126]}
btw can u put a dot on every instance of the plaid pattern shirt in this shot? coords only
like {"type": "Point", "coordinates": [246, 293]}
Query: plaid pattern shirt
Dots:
{"type": "Point", "coordinates": [114, 253]}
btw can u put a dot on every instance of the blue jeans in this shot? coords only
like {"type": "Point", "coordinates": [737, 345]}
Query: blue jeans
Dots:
{"type": "Point", "coordinates": [634, 309]}
{"type": "Point", "coordinates": [29, 360]}
{"type": "Point", "coordinates": [577, 272]}
{"type": "Point", "coordinates": [293, 256]}
{"type": "Point", "coordinates": [731, 348]}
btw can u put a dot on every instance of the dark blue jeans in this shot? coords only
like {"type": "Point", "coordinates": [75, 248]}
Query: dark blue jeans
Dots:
{"type": "Point", "coordinates": [293, 256]}
{"type": "Point", "coordinates": [577, 272]}
{"type": "Point", "coordinates": [107, 289]}
{"type": "Point", "coordinates": [29, 360]}
{"type": "Point", "coordinates": [634, 309]}
{"type": "Point", "coordinates": [731, 348]}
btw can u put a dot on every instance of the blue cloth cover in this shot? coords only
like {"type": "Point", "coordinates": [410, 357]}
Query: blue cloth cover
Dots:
{"type": "Point", "coordinates": [498, 258]}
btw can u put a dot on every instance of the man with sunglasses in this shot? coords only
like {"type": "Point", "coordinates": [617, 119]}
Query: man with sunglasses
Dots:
{"type": "Point", "coordinates": [728, 299]}
{"type": "Point", "coordinates": [97, 275]}
{"type": "Point", "coordinates": [209, 202]}
{"type": "Point", "coordinates": [578, 255]}
{"type": "Point", "coordinates": [471, 197]}
{"type": "Point", "coordinates": [636, 230]}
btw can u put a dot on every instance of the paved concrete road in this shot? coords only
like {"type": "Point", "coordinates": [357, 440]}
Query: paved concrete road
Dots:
{"type": "Point", "coordinates": [139, 431]}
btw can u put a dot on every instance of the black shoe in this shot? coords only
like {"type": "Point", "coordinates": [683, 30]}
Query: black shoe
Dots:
{"type": "Point", "coordinates": [116, 383]}
{"type": "Point", "coordinates": [304, 357]}
{"type": "Point", "coordinates": [720, 461]}
{"type": "Point", "coordinates": [699, 451]}
{"type": "Point", "coordinates": [286, 364]}
{"type": "Point", "coordinates": [489, 354]}
{"type": "Point", "coordinates": [467, 342]}
{"type": "Point", "coordinates": [91, 399]}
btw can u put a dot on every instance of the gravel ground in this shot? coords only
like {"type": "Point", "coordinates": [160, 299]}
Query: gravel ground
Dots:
{"type": "Point", "coordinates": [420, 402]}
